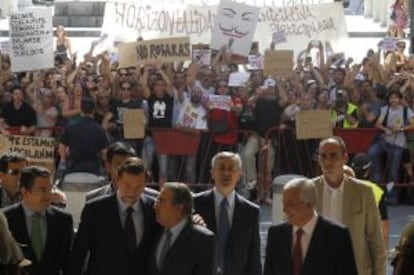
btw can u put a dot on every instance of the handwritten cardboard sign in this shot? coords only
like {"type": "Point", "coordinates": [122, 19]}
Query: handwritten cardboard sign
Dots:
{"type": "Point", "coordinates": [238, 78]}
{"type": "Point", "coordinates": [164, 50]}
{"type": "Point", "coordinates": [389, 44]}
{"type": "Point", "coordinates": [133, 123]}
{"type": "Point", "coordinates": [278, 62]}
{"type": "Point", "coordinates": [313, 124]}
{"type": "Point", "coordinates": [39, 150]}
{"type": "Point", "coordinates": [220, 102]}
{"type": "Point", "coordinates": [31, 37]}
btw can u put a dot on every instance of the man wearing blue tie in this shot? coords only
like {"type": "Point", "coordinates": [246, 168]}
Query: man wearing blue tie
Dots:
{"type": "Point", "coordinates": [234, 219]}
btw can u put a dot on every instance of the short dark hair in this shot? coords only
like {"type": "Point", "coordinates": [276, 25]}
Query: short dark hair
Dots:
{"type": "Point", "coordinates": [132, 165]}
{"type": "Point", "coordinates": [119, 149]}
{"type": "Point", "coordinates": [394, 92]}
{"type": "Point", "coordinates": [338, 140]}
{"type": "Point", "coordinates": [30, 173]}
{"type": "Point", "coordinates": [8, 157]}
{"type": "Point", "coordinates": [87, 106]}
{"type": "Point", "coordinates": [181, 195]}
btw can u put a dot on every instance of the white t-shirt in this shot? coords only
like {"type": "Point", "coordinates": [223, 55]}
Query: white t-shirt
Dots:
{"type": "Point", "coordinates": [192, 117]}
{"type": "Point", "coordinates": [395, 119]}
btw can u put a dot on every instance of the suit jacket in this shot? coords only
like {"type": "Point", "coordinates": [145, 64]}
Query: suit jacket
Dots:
{"type": "Point", "coordinates": [243, 247]}
{"type": "Point", "coordinates": [360, 215]}
{"type": "Point", "coordinates": [101, 235]}
{"type": "Point", "coordinates": [58, 239]}
{"type": "Point", "coordinates": [10, 253]}
{"type": "Point", "coordinates": [107, 190]}
{"type": "Point", "coordinates": [329, 252]}
{"type": "Point", "coordinates": [192, 253]}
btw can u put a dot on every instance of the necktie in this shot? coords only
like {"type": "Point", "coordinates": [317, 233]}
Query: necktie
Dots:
{"type": "Point", "coordinates": [130, 229]}
{"type": "Point", "coordinates": [37, 236]}
{"type": "Point", "coordinates": [224, 227]}
{"type": "Point", "coordinates": [165, 247]}
{"type": "Point", "coordinates": [297, 253]}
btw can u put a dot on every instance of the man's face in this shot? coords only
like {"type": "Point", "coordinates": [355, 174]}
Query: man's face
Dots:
{"type": "Point", "coordinates": [297, 212]}
{"type": "Point", "coordinates": [332, 158]}
{"type": "Point", "coordinates": [225, 173]}
{"type": "Point", "coordinates": [167, 213]}
{"type": "Point", "coordinates": [17, 96]}
{"type": "Point", "coordinates": [112, 167]}
{"type": "Point", "coordinates": [38, 198]}
{"type": "Point", "coordinates": [130, 187]}
{"type": "Point", "coordinates": [394, 100]}
{"type": "Point", "coordinates": [10, 179]}
{"type": "Point", "coordinates": [126, 91]}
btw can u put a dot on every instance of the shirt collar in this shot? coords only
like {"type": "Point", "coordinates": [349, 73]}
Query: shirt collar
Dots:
{"type": "Point", "coordinates": [176, 229]}
{"type": "Point", "coordinates": [309, 226]}
{"type": "Point", "coordinates": [327, 187]}
{"type": "Point", "coordinates": [218, 197]}
{"type": "Point", "coordinates": [28, 213]}
{"type": "Point", "coordinates": [123, 206]}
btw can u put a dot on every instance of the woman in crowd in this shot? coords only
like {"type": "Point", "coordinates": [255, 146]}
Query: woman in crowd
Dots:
{"type": "Point", "coordinates": [399, 17]}
{"type": "Point", "coordinates": [63, 47]}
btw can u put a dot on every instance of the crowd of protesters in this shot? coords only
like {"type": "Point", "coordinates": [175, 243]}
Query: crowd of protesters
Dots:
{"type": "Point", "coordinates": [177, 95]}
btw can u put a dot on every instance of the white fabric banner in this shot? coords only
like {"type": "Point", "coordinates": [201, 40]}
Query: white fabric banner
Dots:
{"type": "Point", "coordinates": [325, 22]}
{"type": "Point", "coordinates": [31, 38]}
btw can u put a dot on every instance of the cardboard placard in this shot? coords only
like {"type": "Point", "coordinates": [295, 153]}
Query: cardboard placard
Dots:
{"type": "Point", "coordinates": [164, 50]}
{"type": "Point", "coordinates": [389, 44]}
{"type": "Point", "coordinates": [255, 62]}
{"type": "Point", "coordinates": [238, 79]}
{"type": "Point", "coordinates": [133, 123]}
{"type": "Point", "coordinates": [221, 102]}
{"type": "Point", "coordinates": [278, 62]}
{"type": "Point", "coordinates": [313, 124]}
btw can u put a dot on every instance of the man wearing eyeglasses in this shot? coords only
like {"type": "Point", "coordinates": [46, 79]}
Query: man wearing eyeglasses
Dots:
{"type": "Point", "coordinates": [43, 231]}
{"type": "Point", "coordinates": [10, 165]}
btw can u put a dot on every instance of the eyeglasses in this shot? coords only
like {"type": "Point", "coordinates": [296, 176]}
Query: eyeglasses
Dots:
{"type": "Point", "coordinates": [13, 172]}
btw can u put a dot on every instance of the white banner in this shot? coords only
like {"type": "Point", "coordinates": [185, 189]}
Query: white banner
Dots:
{"type": "Point", "coordinates": [325, 22]}
{"type": "Point", "coordinates": [31, 38]}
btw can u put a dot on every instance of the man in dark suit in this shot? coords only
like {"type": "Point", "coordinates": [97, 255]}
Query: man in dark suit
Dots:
{"type": "Point", "coordinates": [117, 230]}
{"type": "Point", "coordinates": [44, 232]}
{"type": "Point", "coordinates": [234, 219]}
{"type": "Point", "coordinates": [307, 244]}
{"type": "Point", "coordinates": [182, 248]}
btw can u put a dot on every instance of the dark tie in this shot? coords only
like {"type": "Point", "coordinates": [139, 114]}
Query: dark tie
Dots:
{"type": "Point", "coordinates": [297, 253]}
{"type": "Point", "coordinates": [165, 247]}
{"type": "Point", "coordinates": [223, 232]}
{"type": "Point", "coordinates": [37, 236]}
{"type": "Point", "coordinates": [130, 230]}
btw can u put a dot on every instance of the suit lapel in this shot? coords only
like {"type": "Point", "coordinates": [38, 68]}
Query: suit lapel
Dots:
{"type": "Point", "coordinates": [286, 254]}
{"type": "Point", "coordinates": [315, 246]}
{"type": "Point", "coordinates": [23, 235]}
{"type": "Point", "coordinates": [50, 231]}
{"type": "Point", "coordinates": [347, 206]}
{"type": "Point", "coordinates": [210, 214]}
{"type": "Point", "coordinates": [113, 215]}
{"type": "Point", "coordinates": [319, 191]}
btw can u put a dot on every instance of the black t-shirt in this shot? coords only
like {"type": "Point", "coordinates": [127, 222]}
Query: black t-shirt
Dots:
{"type": "Point", "coordinates": [267, 113]}
{"type": "Point", "coordinates": [24, 116]}
{"type": "Point", "coordinates": [119, 107]}
{"type": "Point", "coordinates": [160, 110]}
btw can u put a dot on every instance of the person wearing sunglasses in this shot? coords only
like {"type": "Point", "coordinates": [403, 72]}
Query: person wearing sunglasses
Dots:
{"type": "Point", "coordinates": [10, 165]}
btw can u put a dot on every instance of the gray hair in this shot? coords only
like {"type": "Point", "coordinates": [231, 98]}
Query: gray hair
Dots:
{"type": "Point", "coordinates": [306, 188]}
{"type": "Point", "coordinates": [227, 154]}
{"type": "Point", "coordinates": [181, 196]}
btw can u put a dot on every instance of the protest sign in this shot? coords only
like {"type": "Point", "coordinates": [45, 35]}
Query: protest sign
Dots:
{"type": "Point", "coordinates": [234, 27]}
{"type": "Point", "coordinates": [220, 102]}
{"type": "Point", "coordinates": [389, 44]}
{"type": "Point", "coordinates": [164, 50]}
{"type": "Point", "coordinates": [255, 62]}
{"type": "Point", "coordinates": [5, 46]}
{"type": "Point", "coordinates": [301, 23]}
{"type": "Point", "coordinates": [39, 150]}
{"type": "Point", "coordinates": [278, 62]}
{"type": "Point", "coordinates": [133, 122]}
{"type": "Point", "coordinates": [313, 124]}
{"type": "Point", "coordinates": [279, 37]}
{"type": "Point", "coordinates": [31, 37]}
{"type": "Point", "coordinates": [238, 79]}
{"type": "Point", "coordinates": [201, 52]}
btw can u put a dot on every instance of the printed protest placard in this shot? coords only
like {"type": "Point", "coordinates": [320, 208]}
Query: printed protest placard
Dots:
{"type": "Point", "coordinates": [201, 52]}
{"type": "Point", "coordinates": [133, 122]}
{"type": "Point", "coordinates": [279, 37]}
{"type": "Point", "coordinates": [255, 62]}
{"type": "Point", "coordinates": [31, 37]}
{"type": "Point", "coordinates": [278, 62]}
{"type": "Point", "coordinates": [164, 50]}
{"type": "Point", "coordinates": [238, 79]}
{"type": "Point", "coordinates": [389, 44]}
{"type": "Point", "coordinates": [234, 27]}
{"type": "Point", "coordinates": [5, 47]}
{"type": "Point", "coordinates": [39, 150]}
{"type": "Point", "coordinates": [313, 124]}
{"type": "Point", "coordinates": [220, 102]}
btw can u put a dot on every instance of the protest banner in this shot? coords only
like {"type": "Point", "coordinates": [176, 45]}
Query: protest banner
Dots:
{"type": "Point", "coordinates": [388, 44]}
{"type": "Point", "coordinates": [238, 79]}
{"type": "Point", "coordinates": [220, 102]}
{"type": "Point", "coordinates": [31, 38]}
{"type": "Point", "coordinates": [278, 62]}
{"type": "Point", "coordinates": [164, 50]}
{"type": "Point", "coordinates": [201, 52]}
{"type": "Point", "coordinates": [133, 123]}
{"type": "Point", "coordinates": [301, 23]}
{"type": "Point", "coordinates": [39, 150]}
{"type": "Point", "coordinates": [255, 62]}
{"type": "Point", "coordinates": [313, 124]}
{"type": "Point", "coordinates": [234, 27]}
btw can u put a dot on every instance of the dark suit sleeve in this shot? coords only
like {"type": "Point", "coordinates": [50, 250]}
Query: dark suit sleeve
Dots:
{"type": "Point", "coordinates": [268, 266]}
{"type": "Point", "coordinates": [346, 259]}
{"type": "Point", "coordinates": [208, 255]}
{"type": "Point", "coordinates": [254, 266]}
{"type": "Point", "coordinates": [82, 242]}
{"type": "Point", "coordinates": [68, 240]}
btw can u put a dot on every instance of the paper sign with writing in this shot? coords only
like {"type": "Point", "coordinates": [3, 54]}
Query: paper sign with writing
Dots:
{"type": "Point", "coordinates": [239, 78]}
{"type": "Point", "coordinates": [133, 122]}
{"type": "Point", "coordinates": [279, 37]}
{"type": "Point", "coordinates": [278, 62]}
{"type": "Point", "coordinates": [164, 50]}
{"type": "Point", "coordinates": [234, 27]}
{"type": "Point", "coordinates": [5, 47]}
{"type": "Point", "coordinates": [313, 124]}
{"type": "Point", "coordinates": [201, 52]}
{"type": "Point", "coordinates": [31, 37]}
{"type": "Point", "coordinates": [220, 102]}
{"type": "Point", "coordinates": [255, 62]}
{"type": "Point", "coordinates": [389, 44]}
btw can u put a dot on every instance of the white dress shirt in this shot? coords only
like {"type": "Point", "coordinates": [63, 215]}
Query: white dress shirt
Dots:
{"type": "Point", "coordinates": [332, 201]}
{"type": "Point", "coordinates": [308, 229]}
